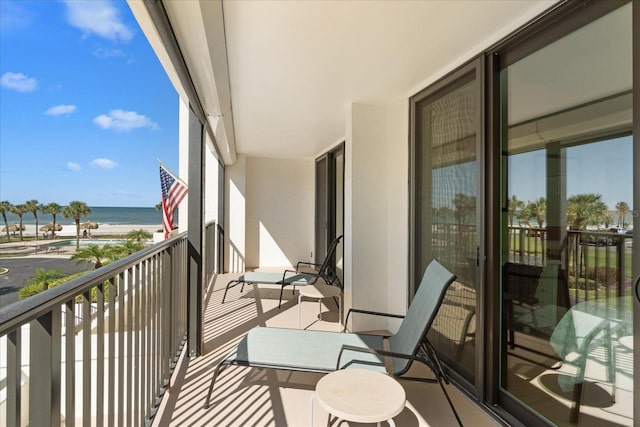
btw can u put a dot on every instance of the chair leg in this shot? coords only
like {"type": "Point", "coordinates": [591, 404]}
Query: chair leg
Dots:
{"type": "Point", "coordinates": [229, 285]}
{"type": "Point", "coordinates": [611, 363]}
{"type": "Point", "coordinates": [453, 408]}
{"type": "Point", "coordinates": [219, 369]}
{"type": "Point", "coordinates": [438, 371]}
{"type": "Point", "coordinates": [577, 398]}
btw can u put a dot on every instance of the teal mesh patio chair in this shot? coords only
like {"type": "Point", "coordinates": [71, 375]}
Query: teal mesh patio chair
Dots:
{"type": "Point", "coordinates": [323, 352]}
{"type": "Point", "coordinates": [297, 277]}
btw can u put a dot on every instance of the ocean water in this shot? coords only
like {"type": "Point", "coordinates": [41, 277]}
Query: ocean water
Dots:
{"type": "Point", "coordinates": [101, 215]}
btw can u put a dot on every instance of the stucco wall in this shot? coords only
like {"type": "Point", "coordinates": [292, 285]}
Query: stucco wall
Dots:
{"type": "Point", "coordinates": [376, 211]}
{"type": "Point", "coordinates": [280, 211]}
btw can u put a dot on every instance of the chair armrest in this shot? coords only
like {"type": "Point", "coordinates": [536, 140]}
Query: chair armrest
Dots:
{"type": "Point", "coordinates": [296, 273]}
{"type": "Point", "coordinates": [310, 264]}
{"type": "Point", "coordinates": [376, 352]}
{"type": "Point", "coordinates": [375, 313]}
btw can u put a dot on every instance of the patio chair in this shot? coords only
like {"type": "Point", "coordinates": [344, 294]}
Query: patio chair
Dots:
{"type": "Point", "coordinates": [323, 352]}
{"type": "Point", "coordinates": [296, 277]}
{"type": "Point", "coordinates": [575, 337]}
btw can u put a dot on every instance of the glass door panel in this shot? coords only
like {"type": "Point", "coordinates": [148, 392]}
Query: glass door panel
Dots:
{"type": "Point", "coordinates": [338, 168]}
{"type": "Point", "coordinates": [445, 209]}
{"type": "Point", "coordinates": [322, 208]}
{"type": "Point", "coordinates": [567, 250]}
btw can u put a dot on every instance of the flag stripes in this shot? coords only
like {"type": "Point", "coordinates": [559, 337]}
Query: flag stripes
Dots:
{"type": "Point", "coordinates": [173, 191]}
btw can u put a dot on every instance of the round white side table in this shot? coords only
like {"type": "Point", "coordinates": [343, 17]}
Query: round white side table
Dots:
{"type": "Point", "coordinates": [320, 292]}
{"type": "Point", "coordinates": [359, 395]}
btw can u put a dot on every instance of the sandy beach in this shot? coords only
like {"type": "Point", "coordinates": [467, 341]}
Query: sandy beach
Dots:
{"type": "Point", "coordinates": [103, 229]}
{"type": "Point", "coordinates": [41, 246]}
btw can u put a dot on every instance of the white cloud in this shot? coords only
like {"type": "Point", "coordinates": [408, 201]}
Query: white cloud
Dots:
{"type": "Point", "coordinates": [13, 16]}
{"type": "Point", "coordinates": [73, 166]}
{"type": "Point", "coordinates": [18, 81]}
{"type": "Point", "coordinates": [98, 17]}
{"type": "Point", "coordinates": [121, 120]}
{"type": "Point", "coordinates": [59, 110]}
{"type": "Point", "coordinates": [104, 53]}
{"type": "Point", "coordinates": [103, 163]}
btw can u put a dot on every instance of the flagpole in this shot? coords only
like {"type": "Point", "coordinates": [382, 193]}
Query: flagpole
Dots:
{"type": "Point", "coordinates": [175, 175]}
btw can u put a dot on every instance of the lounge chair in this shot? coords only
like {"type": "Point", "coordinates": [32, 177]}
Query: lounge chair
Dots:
{"type": "Point", "coordinates": [291, 277]}
{"type": "Point", "coordinates": [585, 327]}
{"type": "Point", "coordinates": [323, 352]}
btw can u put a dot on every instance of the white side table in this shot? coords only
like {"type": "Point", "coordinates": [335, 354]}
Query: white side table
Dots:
{"type": "Point", "coordinates": [359, 395]}
{"type": "Point", "coordinates": [320, 292]}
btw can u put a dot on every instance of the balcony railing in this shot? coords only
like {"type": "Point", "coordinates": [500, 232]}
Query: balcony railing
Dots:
{"type": "Point", "coordinates": [99, 349]}
{"type": "Point", "coordinates": [595, 263]}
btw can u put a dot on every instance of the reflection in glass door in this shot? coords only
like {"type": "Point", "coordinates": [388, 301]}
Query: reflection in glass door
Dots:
{"type": "Point", "coordinates": [566, 347]}
{"type": "Point", "coordinates": [330, 206]}
{"type": "Point", "coordinates": [445, 199]}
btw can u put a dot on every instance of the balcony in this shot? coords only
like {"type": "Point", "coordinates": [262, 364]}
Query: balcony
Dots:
{"type": "Point", "coordinates": [247, 396]}
{"type": "Point", "coordinates": [128, 321]}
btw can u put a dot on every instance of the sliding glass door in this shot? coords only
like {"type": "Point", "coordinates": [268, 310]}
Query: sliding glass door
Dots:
{"type": "Point", "coordinates": [330, 205]}
{"type": "Point", "coordinates": [446, 206]}
{"type": "Point", "coordinates": [568, 179]}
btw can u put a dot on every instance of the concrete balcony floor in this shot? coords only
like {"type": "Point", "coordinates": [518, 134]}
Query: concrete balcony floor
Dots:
{"type": "Point", "coordinates": [247, 396]}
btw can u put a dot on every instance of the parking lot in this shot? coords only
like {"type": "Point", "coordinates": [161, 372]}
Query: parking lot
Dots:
{"type": "Point", "coordinates": [20, 269]}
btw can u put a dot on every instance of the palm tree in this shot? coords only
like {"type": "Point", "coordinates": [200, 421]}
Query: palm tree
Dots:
{"type": "Point", "coordinates": [53, 209]}
{"type": "Point", "coordinates": [134, 243]}
{"type": "Point", "coordinates": [127, 248]}
{"type": "Point", "coordinates": [584, 210]}
{"type": "Point", "coordinates": [33, 207]}
{"type": "Point", "coordinates": [524, 215]}
{"type": "Point", "coordinates": [45, 277]}
{"type": "Point", "coordinates": [76, 210]}
{"type": "Point", "coordinates": [5, 207]}
{"type": "Point", "coordinates": [465, 207]}
{"type": "Point", "coordinates": [139, 236]}
{"type": "Point", "coordinates": [538, 210]}
{"type": "Point", "coordinates": [607, 220]}
{"type": "Point", "coordinates": [621, 207]}
{"type": "Point", "coordinates": [94, 252]}
{"type": "Point", "coordinates": [514, 206]}
{"type": "Point", "coordinates": [19, 210]}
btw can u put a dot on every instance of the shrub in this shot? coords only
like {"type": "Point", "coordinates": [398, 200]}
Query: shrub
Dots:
{"type": "Point", "coordinates": [36, 288]}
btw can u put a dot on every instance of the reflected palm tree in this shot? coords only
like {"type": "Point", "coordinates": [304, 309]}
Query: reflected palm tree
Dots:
{"type": "Point", "coordinates": [622, 208]}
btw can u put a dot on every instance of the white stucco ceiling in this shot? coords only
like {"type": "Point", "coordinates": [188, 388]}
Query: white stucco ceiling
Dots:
{"type": "Point", "coordinates": [294, 67]}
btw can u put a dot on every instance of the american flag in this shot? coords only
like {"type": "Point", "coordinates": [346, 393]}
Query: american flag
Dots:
{"type": "Point", "coordinates": [173, 191]}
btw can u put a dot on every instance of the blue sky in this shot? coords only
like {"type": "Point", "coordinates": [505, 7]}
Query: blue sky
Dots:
{"type": "Point", "coordinates": [603, 168]}
{"type": "Point", "coordinates": [86, 109]}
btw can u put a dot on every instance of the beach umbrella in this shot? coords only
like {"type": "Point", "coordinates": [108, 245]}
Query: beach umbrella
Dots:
{"type": "Point", "coordinates": [13, 228]}
{"type": "Point", "coordinates": [49, 227]}
{"type": "Point", "coordinates": [89, 225]}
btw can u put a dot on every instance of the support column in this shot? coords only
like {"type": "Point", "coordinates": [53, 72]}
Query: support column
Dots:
{"type": "Point", "coordinates": [195, 235]}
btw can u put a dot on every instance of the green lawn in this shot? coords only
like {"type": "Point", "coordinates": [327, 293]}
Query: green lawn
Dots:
{"type": "Point", "coordinates": [533, 246]}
